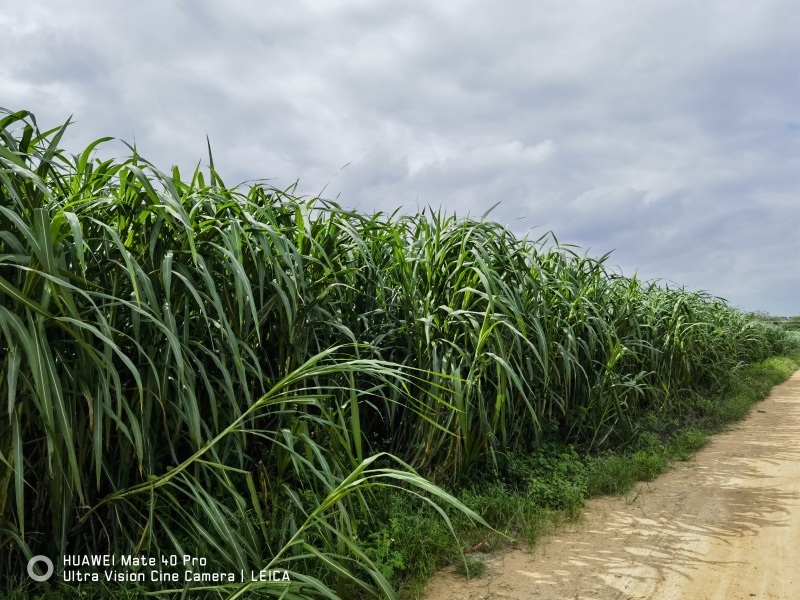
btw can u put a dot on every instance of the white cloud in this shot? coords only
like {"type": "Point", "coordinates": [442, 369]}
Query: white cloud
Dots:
{"type": "Point", "coordinates": [665, 130]}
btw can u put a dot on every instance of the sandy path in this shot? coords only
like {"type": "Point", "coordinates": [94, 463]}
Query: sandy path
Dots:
{"type": "Point", "coordinates": [724, 525]}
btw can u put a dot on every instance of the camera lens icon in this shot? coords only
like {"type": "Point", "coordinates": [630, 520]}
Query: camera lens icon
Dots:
{"type": "Point", "coordinates": [37, 559]}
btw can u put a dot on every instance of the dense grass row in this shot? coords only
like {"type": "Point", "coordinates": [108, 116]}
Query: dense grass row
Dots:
{"type": "Point", "coordinates": [537, 492]}
{"type": "Point", "coordinates": [229, 372]}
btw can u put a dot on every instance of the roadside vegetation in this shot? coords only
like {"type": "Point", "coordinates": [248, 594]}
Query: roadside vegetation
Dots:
{"type": "Point", "coordinates": [278, 383]}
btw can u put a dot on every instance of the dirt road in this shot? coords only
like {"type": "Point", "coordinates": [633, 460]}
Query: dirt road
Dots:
{"type": "Point", "coordinates": [725, 525]}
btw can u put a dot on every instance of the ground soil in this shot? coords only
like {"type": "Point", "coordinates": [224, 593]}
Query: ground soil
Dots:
{"type": "Point", "coordinates": [724, 525]}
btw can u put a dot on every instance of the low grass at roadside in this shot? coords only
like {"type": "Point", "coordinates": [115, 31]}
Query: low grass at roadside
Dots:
{"type": "Point", "coordinates": [678, 437]}
{"type": "Point", "coordinates": [536, 493]}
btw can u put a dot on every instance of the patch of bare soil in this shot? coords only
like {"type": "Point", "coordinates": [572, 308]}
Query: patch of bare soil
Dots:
{"type": "Point", "coordinates": [725, 525]}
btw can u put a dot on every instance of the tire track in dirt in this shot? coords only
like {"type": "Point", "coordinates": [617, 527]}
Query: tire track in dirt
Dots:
{"type": "Point", "coordinates": [724, 525]}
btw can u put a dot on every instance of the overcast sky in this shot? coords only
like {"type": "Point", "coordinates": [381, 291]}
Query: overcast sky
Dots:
{"type": "Point", "coordinates": [666, 131]}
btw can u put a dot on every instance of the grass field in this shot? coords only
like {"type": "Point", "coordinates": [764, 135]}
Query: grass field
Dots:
{"type": "Point", "coordinates": [254, 378]}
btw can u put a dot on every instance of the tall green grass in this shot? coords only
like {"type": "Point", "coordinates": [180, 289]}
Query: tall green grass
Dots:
{"type": "Point", "coordinates": [229, 372]}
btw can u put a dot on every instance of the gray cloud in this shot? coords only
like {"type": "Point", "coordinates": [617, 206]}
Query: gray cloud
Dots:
{"type": "Point", "coordinates": [667, 131]}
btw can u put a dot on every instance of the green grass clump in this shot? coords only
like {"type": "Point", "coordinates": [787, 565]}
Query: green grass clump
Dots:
{"type": "Point", "coordinates": [471, 567]}
{"type": "Point", "coordinates": [236, 372]}
{"type": "Point", "coordinates": [617, 473]}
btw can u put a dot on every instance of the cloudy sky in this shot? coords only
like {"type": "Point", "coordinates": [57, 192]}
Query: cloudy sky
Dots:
{"type": "Point", "coordinates": [666, 131]}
